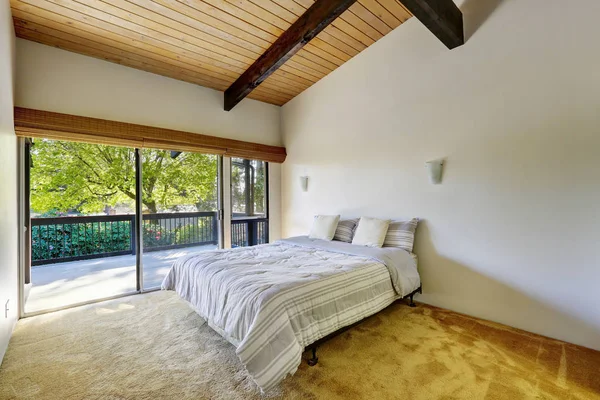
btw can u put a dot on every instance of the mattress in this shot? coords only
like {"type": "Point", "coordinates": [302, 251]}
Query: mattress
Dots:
{"type": "Point", "coordinates": [273, 300]}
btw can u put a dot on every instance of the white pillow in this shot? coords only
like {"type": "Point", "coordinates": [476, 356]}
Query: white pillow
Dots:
{"type": "Point", "coordinates": [371, 232]}
{"type": "Point", "coordinates": [324, 227]}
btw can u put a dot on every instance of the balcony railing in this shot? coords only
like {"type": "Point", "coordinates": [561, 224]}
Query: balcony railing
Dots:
{"type": "Point", "coordinates": [77, 238]}
{"type": "Point", "coordinates": [249, 231]}
{"type": "Point", "coordinates": [63, 239]}
{"type": "Point", "coordinates": [175, 230]}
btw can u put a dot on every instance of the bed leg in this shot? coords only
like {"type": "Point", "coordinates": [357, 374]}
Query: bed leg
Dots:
{"type": "Point", "coordinates": [412, 303]}
{"type": "Point", "coordinates": [314, 360]}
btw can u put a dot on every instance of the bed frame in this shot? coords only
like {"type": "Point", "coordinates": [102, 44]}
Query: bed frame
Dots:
{"type": "Point", "coordinates": [313, 346]}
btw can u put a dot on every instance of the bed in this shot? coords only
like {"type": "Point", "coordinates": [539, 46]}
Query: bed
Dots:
{"type": "Point", "coordinates": [275, 300]}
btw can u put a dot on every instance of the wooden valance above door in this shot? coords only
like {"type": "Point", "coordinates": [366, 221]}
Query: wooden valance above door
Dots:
{"type": "Point", "coordinates": [51, 125]}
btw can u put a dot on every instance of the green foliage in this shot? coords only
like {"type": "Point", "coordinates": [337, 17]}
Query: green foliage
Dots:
{"type": "Point", "coordinates": [259, 188]}
{"type": "Point", "coordinates": [188, 179]}
{"type": "Point", "coordinates": [158, 235]}
{"type": "Point", "coordinates": [87, 177]}
{"type": "Point", "coordinates": [58, 241]}
{"type": "Point", "coordinates": [256, 203]}
{"type": "Point", "coordinates": [74, 240]}
{"type": "Point", "coordinates": [53, 214]}
{"type": "Point", "coordinates": [81, 178]}
{"type": "Point", "coordinates": [155, 236]}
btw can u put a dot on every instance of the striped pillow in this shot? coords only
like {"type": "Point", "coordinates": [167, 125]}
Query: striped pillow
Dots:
{"type": "Point", "coordinates": [401, 234]}
{"type": "Point", "coordinates": [345, 230]}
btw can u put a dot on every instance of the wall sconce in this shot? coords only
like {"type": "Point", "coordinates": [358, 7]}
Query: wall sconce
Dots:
{"type": "Point", "coordinates": [304, 183]}
{"type": "Point", "coordinates": [434, 170]}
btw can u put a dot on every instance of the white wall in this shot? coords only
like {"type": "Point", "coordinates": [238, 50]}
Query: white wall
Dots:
{"type": "Point", "coordinates": [8, 179]}
{"type": "Point", "coordinates": [56, 80]}
{"type": "Point", "coordinates": [512, 234]}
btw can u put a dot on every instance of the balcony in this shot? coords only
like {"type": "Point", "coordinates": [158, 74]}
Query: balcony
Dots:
{"type": "Point", "coordinates": [81, 258]}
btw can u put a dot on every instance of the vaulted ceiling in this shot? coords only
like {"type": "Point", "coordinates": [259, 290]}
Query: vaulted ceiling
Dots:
{"type": "Point", "coordinates": [206, 42]}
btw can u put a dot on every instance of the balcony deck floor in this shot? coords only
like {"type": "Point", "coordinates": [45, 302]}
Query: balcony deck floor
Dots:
{"type": "Point", "coordinates": [62, 284]}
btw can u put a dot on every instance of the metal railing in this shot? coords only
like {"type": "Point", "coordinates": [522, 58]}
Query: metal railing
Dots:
{"type": "Point", "coordinates": [176, 230]}
{"type": "Point", "coordinates": [249, 231]}
{"type": "Point", "coordinates": [76, 238]}
{"type": "Point", "coordinates": [64, 239]}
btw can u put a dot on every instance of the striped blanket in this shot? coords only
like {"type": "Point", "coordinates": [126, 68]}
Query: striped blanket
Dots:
{"type": "Point", "coordinates": [272, 300]}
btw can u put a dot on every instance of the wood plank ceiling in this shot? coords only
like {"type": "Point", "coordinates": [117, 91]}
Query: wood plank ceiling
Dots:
{"type": "Point", "coordinates": [206, 42]}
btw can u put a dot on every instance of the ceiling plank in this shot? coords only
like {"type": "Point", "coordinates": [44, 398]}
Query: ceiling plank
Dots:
{"type": "Point", "coordinates": [337, 43]}
{"type": "Point", "coordinates": [320, 41]}
{"type": "Point", "coordinates": [353, 32]}
{"type": "Point", "coordinates": [152, 47]}
{"type": "Point", "coordinates": [397, 9]}
{"type": "Point", "coordinates": [362, 26]}
{"type": "Point", "coordinates": [313, 21]}
{"type": "Point", "coordinates": [441, 17]}
{"type": "Point", "coordinates": [276, 9]}
{"type": "Point", "coordinates": [206, 42]}
{"type": "Point", "coordinates": [381, 12]}
{"type": "Point", "coordinates": [344, 37]}
{"type": "Point", "coordinates": [360, 11]}
{"type": "Point", "coordinates": [97, 46]}
{"type": "Point", "coordinates": [91, 48]}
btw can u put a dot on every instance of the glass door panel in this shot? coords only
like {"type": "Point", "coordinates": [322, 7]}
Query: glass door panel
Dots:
{"type": "Point", "coordinates": [82, 223]}
{"type": "Point", "coordinates": [180, 203]}
{"type": "Point", "coordinates": [249, 202]}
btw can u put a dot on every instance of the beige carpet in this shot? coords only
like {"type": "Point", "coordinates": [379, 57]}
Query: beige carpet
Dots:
{"type": "Point", "coordinates": [154, 346]}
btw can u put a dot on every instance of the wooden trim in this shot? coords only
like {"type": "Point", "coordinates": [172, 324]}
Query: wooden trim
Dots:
{"type": "Point", "coordinates": [51, 125]}
{"type": "Point", "coordinates": [441, 17]}
{"type": "Point", "coordinates": [309, 25]}
{"type": "Point", "coordinates": [36, 133]}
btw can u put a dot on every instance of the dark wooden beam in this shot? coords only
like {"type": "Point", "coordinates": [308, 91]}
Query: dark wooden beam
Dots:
{"type": "Point", "coordinates": [441, 17]}
{"type": "Point", "coordinates": [313, 21]}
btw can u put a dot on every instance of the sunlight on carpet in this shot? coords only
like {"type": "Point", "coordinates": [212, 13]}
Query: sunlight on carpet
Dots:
{"type": "Point", "coordinates": [154, 346]}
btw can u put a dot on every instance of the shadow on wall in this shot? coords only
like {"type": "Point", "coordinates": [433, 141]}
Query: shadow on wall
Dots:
{"type": "Point", "coordinates": [475, 13]}
{"type": "Point", "coordinates": [457, 287]}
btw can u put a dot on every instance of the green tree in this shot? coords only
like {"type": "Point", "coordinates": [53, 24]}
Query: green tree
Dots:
{"type": "Point", "coordinates": [259, 188]}
{"type": "Point", "coordinates": [88, 177]}
{"type": "Point", "coordinates": [248, 184]}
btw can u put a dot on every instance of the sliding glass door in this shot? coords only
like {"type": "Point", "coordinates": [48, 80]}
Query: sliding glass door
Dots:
{"type": "Point", "coordinates": [82, 218]}
{"type": "Point", "coordinates": [105, 221]}
{"type": "Point", "coordinates": [249, 202]}
{"type": "Point", "coordinates": [180, 204]}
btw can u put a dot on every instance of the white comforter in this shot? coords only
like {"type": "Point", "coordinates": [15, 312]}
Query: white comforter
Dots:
{"type": "Point", "coordinates": [272, 300]}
